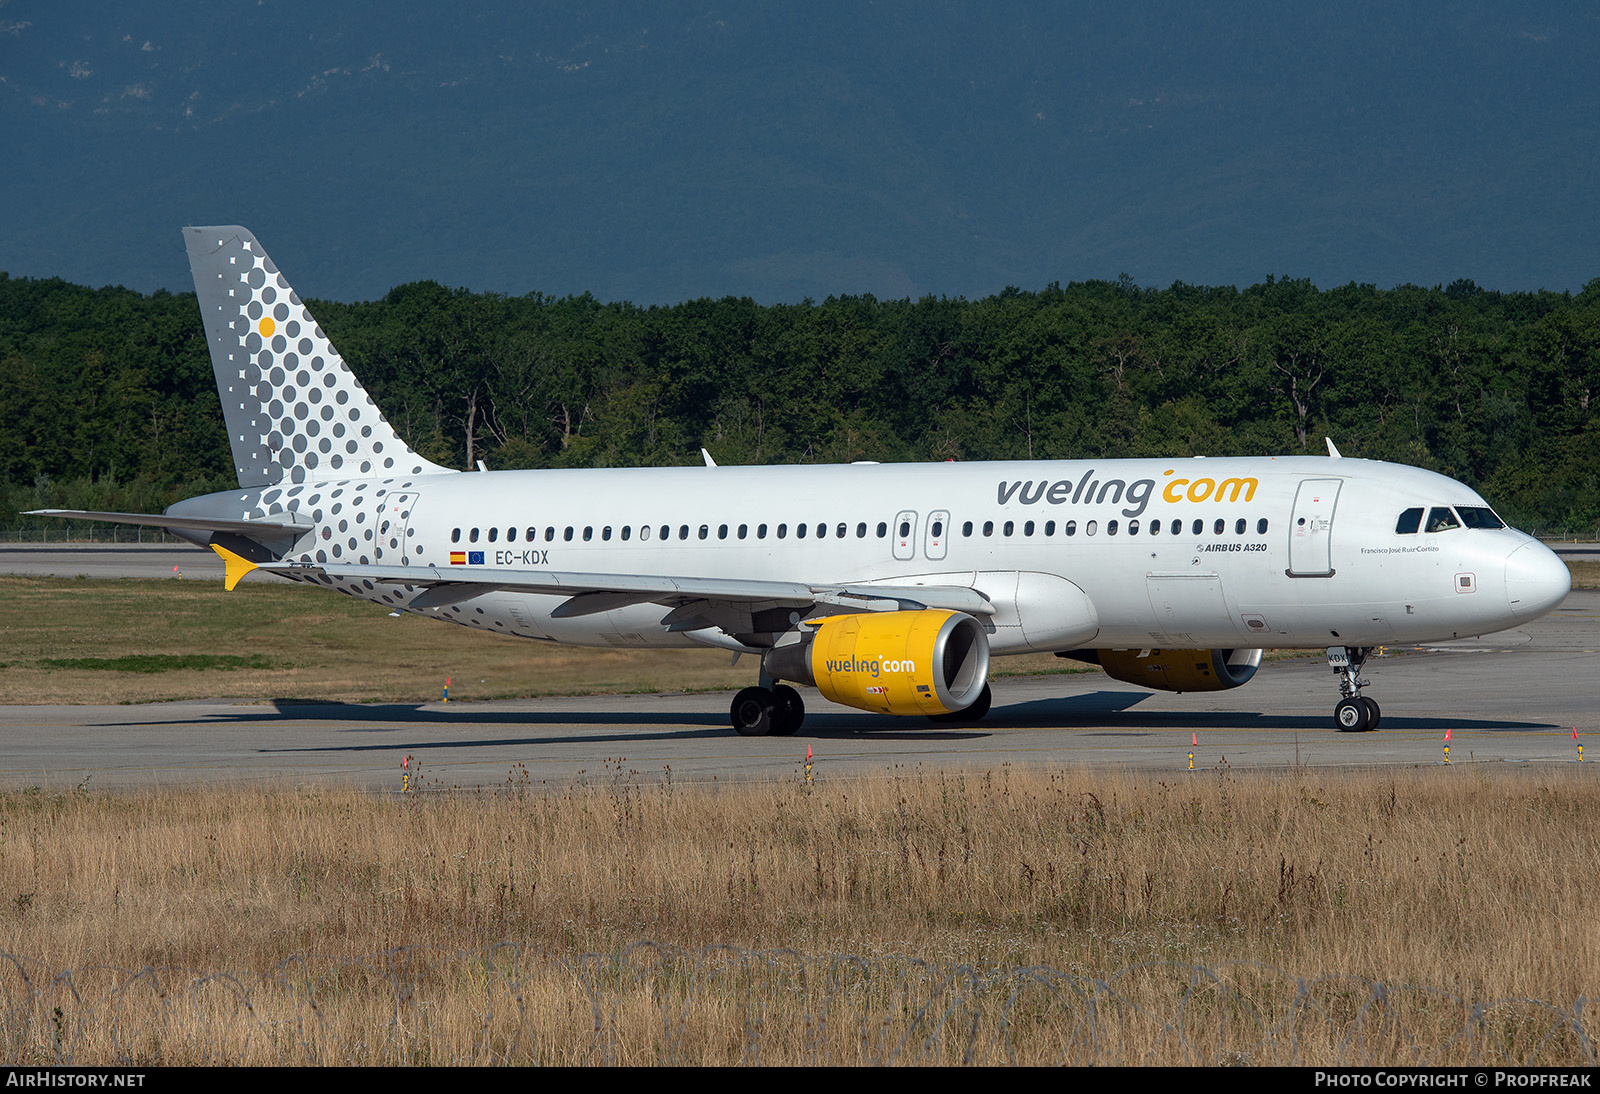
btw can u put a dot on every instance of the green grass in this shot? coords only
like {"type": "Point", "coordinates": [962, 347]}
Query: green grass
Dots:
{"type": "Point", "coordinates": [160, 662]}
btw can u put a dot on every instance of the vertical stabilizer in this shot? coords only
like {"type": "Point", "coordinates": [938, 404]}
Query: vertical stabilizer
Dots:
{"type": "Point", "coordinates": [294, 410]}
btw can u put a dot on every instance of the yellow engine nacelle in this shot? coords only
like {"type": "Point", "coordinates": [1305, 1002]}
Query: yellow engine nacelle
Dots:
{"type": "Point", "coordinates": [1181, 670]}
{"type": "Point", "coordinates": [917, 662]}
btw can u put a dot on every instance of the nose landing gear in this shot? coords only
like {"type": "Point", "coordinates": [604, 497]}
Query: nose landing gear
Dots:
{"type": "Point", "coordinates": [1355, 712]}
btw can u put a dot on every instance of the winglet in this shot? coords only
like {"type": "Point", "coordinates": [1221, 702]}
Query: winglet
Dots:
{"type": "Point", "coordinates": [1333, 452]}
{"type": "Point", "coordinates": [709, 461]}
{"type": "Point", "coordinates": [237, 566]}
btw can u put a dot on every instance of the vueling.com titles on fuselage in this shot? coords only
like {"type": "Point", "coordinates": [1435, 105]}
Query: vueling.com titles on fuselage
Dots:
{"type": "Point", "coordinates": [1089, 491]}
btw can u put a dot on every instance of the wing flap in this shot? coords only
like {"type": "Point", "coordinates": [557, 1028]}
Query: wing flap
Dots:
{"type": "Point", "coordinates": [589, 593]}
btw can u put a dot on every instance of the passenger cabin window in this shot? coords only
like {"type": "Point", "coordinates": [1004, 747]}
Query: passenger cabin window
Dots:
{"type": "Point", "coordinates": [1049, 527]}
{"type": "Point", "coordinates": [705, 530]}
{"type": "Point", "coordinates": [744, 531]}
{"type": "Point", "coordinates": [861, 530]}
{"type": "Point", "coordinates": [938, 528]}
{"type": "Point", "coordinates": [627, 530]}
{"type": "Point", "coordinates": [549, 534]}
{"type": "Point", "coordinates": [567, 535]}
{"type": "Point", "coordinates": [1441, 519]}
{"type": "Point", "coordinates": [1199, 526]}
{"type": "Point", "coordinates": [1027, 529]}
{"type": "Point", "coordinates": [494, 534]}
{"type": "Point", "coordinates": [1089, 529]}
{"type": "Point", "coordinates": [799, 531]}
{"type": "Point", "coordinates": [455, 535]}
{"type": "Point", "coordinates": [883, 529]}
{"type": "Point", "coordinates": [1010, 526]}
{"type": "Point", "coordinates": [605, 533]}
{"type": "Point", "coordinates": [722, 531]}
{"type": "Point", "coordinates": [1070, 528]}
{"type": "Point", "coordinates": [988, 527]}
{"type": "Point", "coordinates": [1261, 526]}
{"type": "Point", "coordinates": [1111, 527]}
{"type": "Point", "coordinates": [588, 533]}
{"type": "Point", "coordinates": [783, 530]}
{"type": "Point", "coordinates": [472, 536]}
{"type": "Point", "coordinates": [1177, 527]}
{"type": "Point", "coordinates": [761, 531]}
{"type": "Point", "coordinates": [966, 528]}
{"type": "Point", "coordinates": [1133, 527]}
{"type": "Point", "coordinates": [1409, 522]}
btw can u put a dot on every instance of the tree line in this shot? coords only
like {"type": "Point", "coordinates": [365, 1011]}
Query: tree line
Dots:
{"type": "Point", "coordinates": [107, 399]}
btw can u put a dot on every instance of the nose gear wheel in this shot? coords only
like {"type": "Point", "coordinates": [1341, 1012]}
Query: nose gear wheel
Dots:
{"type": "Point", "coordinates": [1355, 713]}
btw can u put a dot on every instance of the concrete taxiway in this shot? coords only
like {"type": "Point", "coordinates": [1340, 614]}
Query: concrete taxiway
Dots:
{"type": "Point", "coordinates": [1511, 698]}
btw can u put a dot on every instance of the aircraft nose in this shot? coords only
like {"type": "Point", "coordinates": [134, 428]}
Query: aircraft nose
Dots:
{"type": "Point", "coordinates": [1536, 581]}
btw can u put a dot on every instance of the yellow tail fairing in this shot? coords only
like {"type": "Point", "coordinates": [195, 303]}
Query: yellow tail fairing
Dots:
{"type": "Point", "coordinates": [907, 662]}
{"type": "Point", "coordinates": [237, 566]}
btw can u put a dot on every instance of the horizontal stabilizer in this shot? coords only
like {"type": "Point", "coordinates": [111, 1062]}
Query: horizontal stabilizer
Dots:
{"type": "Point", "coordinates": [276, 526]}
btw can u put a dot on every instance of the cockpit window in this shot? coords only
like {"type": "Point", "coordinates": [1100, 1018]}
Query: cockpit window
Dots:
{"type": "Point", "coordinates": [1441, 519]}
{"type": "Point", "coordinates": [1409, 522]}
{"type": "Point", "coordinates": [1479, 516]}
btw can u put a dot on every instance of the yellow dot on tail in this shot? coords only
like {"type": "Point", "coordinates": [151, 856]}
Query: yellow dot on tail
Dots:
{"type": "Point", "coordinates": [267, 326]}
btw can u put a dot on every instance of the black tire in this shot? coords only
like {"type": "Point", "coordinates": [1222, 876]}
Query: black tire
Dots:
{"type": "Point", "coordinates": [790, 710]}
{"type": "Point", "coordinates": [973, 713]}
{"type": "Point", "coordinates": [1374, 715]}
{"type": "Point", "coordinates": [1351, 716]}
{"type": "Point", "coordinates": [752, 712]}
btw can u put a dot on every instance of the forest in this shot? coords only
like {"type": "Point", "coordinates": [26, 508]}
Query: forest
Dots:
{"type": "Point", "coordinates": [107, 399]}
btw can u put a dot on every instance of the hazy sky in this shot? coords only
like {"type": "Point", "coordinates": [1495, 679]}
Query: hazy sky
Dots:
{"type": "Point", "coordinates": [657, 152]}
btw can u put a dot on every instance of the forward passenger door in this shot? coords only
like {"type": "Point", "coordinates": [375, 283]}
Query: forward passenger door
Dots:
{"type": "Point", "coordinates": [1311, 528]}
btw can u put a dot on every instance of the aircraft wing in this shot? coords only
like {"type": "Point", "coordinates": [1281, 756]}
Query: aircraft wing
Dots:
{"type": "Point", "coordinates": [590, 593]}
{"type": "Point", "coordinates": [278, 524]}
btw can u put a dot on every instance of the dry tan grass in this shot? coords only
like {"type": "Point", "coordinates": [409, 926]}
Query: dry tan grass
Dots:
{"type": "Point", "coordinates": [1175, 902]}
{"type": "Point", "coordinates": [1585, 574]}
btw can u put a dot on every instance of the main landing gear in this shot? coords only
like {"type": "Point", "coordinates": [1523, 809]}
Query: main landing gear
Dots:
{"type": "Point", "coordinates": [759, 712]}
{"type": "Point", "coordinates": [1355, 713]}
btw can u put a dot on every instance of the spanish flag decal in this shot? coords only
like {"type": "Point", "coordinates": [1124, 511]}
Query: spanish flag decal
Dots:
{"type": "Point", "coordinates": [458, 558]}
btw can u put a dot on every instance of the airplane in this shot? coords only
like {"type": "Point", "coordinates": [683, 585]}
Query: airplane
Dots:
{"type": "Point", "coordinates": [886, 587]}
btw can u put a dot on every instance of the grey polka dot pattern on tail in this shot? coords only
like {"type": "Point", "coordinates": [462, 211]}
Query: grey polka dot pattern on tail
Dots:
{"type": "Point", "coordinates": [268, 354]}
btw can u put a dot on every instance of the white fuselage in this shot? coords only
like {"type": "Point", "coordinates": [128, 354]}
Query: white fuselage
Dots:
{"type": "Point", "coordinates": [1190, 553]}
